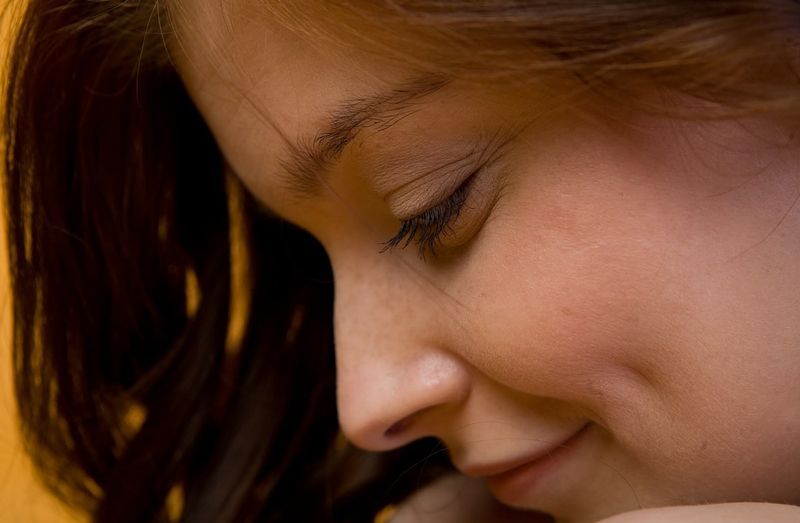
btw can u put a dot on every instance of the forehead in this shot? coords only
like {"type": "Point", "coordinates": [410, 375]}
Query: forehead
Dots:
{"type": "Point", "coordinates": [263, 88]}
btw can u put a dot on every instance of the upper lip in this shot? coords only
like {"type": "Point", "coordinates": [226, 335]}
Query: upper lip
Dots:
{"type": "Point", "coordinates": [483, 470]}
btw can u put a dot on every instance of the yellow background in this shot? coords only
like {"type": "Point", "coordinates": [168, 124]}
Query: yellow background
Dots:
{"type": "Point", "coordinates": [22, 499]}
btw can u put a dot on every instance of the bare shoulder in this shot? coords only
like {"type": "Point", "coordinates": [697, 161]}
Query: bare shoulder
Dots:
{"type": "Point", "coordinates": [719, 513]}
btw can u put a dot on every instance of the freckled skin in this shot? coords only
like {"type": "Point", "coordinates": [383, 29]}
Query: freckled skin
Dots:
{"type": "Point", "coordinates": [638, 275]}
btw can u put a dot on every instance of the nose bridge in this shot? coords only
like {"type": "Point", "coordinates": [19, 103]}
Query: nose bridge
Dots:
{"type": "Point", "coordinates": [392, 367]}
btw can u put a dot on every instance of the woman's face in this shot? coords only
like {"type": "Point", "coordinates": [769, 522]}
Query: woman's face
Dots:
{"type": "Point", "coordinates": [619, 293]}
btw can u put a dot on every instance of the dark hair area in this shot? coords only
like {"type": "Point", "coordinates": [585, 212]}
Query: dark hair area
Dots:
{"type": "Point", "coordinates": [116, 197]}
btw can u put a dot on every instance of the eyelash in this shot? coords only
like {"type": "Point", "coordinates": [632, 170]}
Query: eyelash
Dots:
{"type": "Point", "coordinates": [427, 228]}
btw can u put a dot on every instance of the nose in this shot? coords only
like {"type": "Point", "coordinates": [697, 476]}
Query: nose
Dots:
{"type": "Point", "coordinates": [397, 380]}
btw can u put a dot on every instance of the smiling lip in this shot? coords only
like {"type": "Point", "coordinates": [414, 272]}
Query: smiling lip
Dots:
{"type": "Point", "coordinates": [512, 479]}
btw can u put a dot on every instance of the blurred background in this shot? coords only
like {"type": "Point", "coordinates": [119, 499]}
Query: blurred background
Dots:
{"type": "Point", "coordinates": [22, 499]}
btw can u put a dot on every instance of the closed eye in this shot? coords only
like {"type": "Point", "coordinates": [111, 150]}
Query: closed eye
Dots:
{"type": "Point", "coordinates": [427, 228]}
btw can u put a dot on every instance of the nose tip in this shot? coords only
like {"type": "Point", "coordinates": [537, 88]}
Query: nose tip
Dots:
{"type": "Point", "coordinates": [382, 407]}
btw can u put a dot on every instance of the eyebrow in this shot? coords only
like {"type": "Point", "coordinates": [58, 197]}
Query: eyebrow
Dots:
{"type": "Point", "coordinates": [309, 160]}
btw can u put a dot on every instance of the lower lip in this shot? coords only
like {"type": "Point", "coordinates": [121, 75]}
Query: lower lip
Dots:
{"type": "Point", "coordinates": [515, 486]}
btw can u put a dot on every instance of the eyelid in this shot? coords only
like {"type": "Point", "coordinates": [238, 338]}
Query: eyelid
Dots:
{"type": "Point", "coordinates": [427, 228]}
{"type": "Point", "coordinates": [455, 220]}
{"type": "Point", "coordinates": [431, 225]}
{"type": "Point", "coordinates": [432, 187]}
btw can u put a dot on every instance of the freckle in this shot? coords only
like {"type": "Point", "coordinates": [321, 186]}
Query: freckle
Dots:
{"type": "Point", "coordinates": [566, 311]}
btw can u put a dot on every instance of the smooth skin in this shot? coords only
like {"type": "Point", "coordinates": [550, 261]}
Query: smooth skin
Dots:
{"type": "Point", "coordinates": [633, 278]}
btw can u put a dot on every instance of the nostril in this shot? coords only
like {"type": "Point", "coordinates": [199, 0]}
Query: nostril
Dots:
{"type": "Point", "coordinates": [403, 425]}
{"type": "Point", "coordinates": [398, 427]}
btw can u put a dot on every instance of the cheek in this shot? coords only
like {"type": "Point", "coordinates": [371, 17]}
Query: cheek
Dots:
{"type": "Point", "coordinates": [571, 324]}
{"type": "Point", "coordinates": [573, 290]}
{"type": "Point", "coordinates": [624, 290]}
{"type": "Point", "coordinates": [614, 271]}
